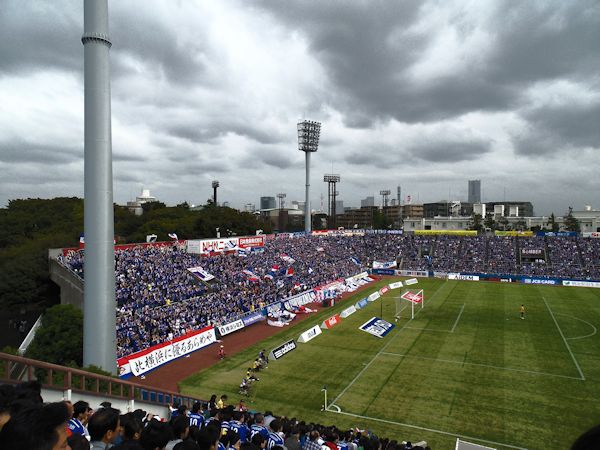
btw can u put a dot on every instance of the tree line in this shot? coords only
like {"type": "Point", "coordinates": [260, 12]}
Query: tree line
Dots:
{"type": "Point", "coordinates": [29, 227]}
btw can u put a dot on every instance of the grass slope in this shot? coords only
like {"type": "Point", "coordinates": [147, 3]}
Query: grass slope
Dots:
{"type": "Point", "coordinates": [466, 365]}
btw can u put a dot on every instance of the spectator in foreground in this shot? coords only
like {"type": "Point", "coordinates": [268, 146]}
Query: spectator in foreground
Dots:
{"type": "Point", "coordinates": [155, 436]}
{"type": "Point", "coordinates": [104, 428]}
{"type": "Point", "coordinates": [81, 414]}
{"type": "Point", "coordinates": [180, 426]}
{"type": "Point", "coordinates": [131, 426]}
{"type": "Point", "coordinates": [589, 440]}
{"type": "Point", "coordinates": [50, 428]}
{"type": "Point", "coordinates": [312, 442]}
{"type": "Point", "coordinates": [78, 442]}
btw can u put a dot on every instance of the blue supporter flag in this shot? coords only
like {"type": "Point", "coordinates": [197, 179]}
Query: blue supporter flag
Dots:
{"type": "Point", "coordinates": [355, 260]}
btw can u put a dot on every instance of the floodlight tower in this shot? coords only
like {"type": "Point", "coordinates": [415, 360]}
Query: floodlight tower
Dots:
{"type": "Point", "coordinates": [281, 197]}
{"type": "Point", "coordinates": [215, 185]}
{"type": "Point", "coordinates": [308, 142]}
{"type": "Point", "coordinates": [385, 195]}
{"type": "Point", "coordinates": [331, 180]}
{"type": "Point", "coordinates": [99, 315]}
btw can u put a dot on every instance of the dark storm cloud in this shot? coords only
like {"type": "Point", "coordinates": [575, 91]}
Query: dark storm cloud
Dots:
{"type": "Point", "coordinates": [272, 156]}
{"type": "Point", "coordinates": [545, 40]}
{"type": "Point", "coordinates": [27, 152]}
{"type": "Point", "coordinates": [36, 35]}
{"type": "Point", "coordinates": [194, 133]}
{"type": "Point", "coordinates": [122, 156]}
{"type": "Point", "coordinates": [212, 132]}
{"type": "Point", "coordinates": [449, 152]}
{"type": "Point", "coordinates": [148, 38]}
{"type": "Point", "coordinates": [552, 130]}
{"type": "Point", "coordinates": [426, 149]}
{"type": "Point", "coordinates": [367, 52]}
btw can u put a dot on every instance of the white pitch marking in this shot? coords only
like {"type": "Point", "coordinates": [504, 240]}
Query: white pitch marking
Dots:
{"type": "Point", "coordinates": [379, 353]}
{"type": "Point", "coordinates": [564, 339]}
{"type": "Point", "coordinates": [481, 365]}
{"type": "Point", "coordinates": [432, 430]}
{"type": "Point", "coordinates": [458, 318]}
{"type": "Point", "coordinates": [581, 320]}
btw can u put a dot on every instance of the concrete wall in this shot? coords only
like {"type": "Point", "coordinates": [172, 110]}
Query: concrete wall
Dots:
{"type": "Point", "coordinates": [51, 395]}
{"type": "Point", "coordinates": [71, 286]}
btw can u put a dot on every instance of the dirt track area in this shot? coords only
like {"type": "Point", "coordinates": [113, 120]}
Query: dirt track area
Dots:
{"type": "Point", "coordinates": [167, 376]}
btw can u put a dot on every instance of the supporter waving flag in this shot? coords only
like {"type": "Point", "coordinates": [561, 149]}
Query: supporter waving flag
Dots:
{"type": "Point", "coordinates": [173, 236]}
{"type": "Point", "coordinates": [355, 260]}
{"type": "Point", "coordinates": [251, 275]}
{"type": "Point", "coordinates": [289, 272]}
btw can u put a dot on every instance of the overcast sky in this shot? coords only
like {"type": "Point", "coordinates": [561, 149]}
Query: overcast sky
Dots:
{"type": "Point", "coordinates": [421, 94]}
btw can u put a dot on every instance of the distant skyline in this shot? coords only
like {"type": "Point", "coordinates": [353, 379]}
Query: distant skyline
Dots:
{"type": "Point", "coordinates": [422, 94]}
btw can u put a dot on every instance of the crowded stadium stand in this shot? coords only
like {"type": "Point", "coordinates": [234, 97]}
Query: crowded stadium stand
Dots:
{"type": "Point", "coordinates": [158, 296]}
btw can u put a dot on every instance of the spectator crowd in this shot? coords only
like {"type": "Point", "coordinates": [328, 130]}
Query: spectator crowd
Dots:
{"type": "Point", "coordinates": [27, 423]}
{"type": "Point", "coordinates": [158, 298]}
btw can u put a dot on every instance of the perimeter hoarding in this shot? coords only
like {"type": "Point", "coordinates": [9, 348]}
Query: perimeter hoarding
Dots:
{"type": "Point", "coordinates": [157, 355]}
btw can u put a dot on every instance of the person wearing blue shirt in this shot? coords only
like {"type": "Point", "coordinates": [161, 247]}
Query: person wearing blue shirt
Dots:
{"type": "Point", "coordinates": [275, 437]}
{"type": "Point", "coordinates": [196, 417]}
{"type": "Point", "coordinates": [81, 411]}
{"type": "Point", "coordinates": [239, 426]}
{"type": "Point", "coordinates": [259, 427]}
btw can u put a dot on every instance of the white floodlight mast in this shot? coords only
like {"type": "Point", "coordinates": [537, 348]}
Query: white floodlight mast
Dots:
{"type": "Point", "coordinates": [308, 142]}
{"type": "Point", "coordinates": [99, 317]}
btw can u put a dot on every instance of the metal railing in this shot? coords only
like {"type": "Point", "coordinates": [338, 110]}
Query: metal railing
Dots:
{"type": "Point", "coordinates": [16, 369]}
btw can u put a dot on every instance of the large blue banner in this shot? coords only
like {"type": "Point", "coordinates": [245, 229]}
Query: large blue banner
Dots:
{"type": "Point", "coordinates": [557, 233]}
{"type": "Point", "coordinates": [384, 271]}
{"type": "Point", "coordinates": [377, 327]}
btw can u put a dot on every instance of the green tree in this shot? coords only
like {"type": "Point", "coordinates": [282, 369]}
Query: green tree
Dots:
{"type": "Point", "coordinates": [503, 223]}
{"type": "Point", "coordinates": [570, 222]}
{"type": "Point", "coordinates": [59, 339]}
{"type": "Point", "coordinates": [380, 220]}
{"type": "Point", "coordinates": [552, 224]}
{"type": "Point", "coordinates": [490, 222]}
{"type": "Point", "coordinates": [476, 223]}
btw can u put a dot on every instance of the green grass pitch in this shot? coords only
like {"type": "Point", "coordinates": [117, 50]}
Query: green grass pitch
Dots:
{"type": "Point", "coordinates": [466, 366]}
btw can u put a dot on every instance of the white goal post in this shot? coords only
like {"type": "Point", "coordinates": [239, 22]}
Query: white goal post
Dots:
{"type": "Point", "coordinates": [464, 445]}
{"type": "Point", "coordinates": [413, 297]}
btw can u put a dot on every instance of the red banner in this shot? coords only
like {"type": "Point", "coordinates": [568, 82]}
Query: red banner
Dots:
{"type": "Point", "coordinates": [383, 290]}
{"type": "Point", "coordinates": [332, 322]}
{"type": "Point", "coordinates": [66, 251]}
{"type": "Point", "coordinates": [252, 241]}
{"type": "Point", "coordinates": [413, 297]}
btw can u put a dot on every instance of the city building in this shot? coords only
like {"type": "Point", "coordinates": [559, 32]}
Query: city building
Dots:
{"type": "Point", "coordinates": [267, 203]}
{"type": "Point", "coordinates": [136, 206]}
{"type": "Point", "coordinates": [507, 209]}
{"type": "Point", "coordinates": [367, 202]}
{"type": "Point", "coordinates": [357, 218]}
{"type": "Point", "coordinates": [412, 211]}
{"type": "Point", "coordinates": [474, 191]}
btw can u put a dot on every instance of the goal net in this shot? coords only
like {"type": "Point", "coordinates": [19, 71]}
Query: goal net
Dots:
{"type": "Point", "coordinates": [407, 301]}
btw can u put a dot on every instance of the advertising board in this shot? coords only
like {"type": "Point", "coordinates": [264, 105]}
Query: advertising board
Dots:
{"type": "Point", "coordinates": [377, 327]}
{"type": "Point", "coordinates": [283, 349]}
{"type": "Point", "coordinates": [331, 322]}
{"type": "Point", "coordinates": [309, 334]}
{"type": "Point", "coordinates": [348, 312]}
{"type": "Point", "coordinates": [230, 327]}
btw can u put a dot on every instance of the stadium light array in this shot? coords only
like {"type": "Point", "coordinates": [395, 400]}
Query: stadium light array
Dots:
{"type": "Point", "coordinates": [309, 133]}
